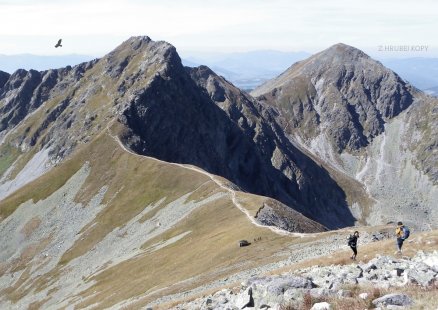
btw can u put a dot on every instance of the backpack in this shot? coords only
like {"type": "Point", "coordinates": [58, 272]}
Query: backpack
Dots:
{"type": "Point", "coordinates": [351, 240]}
{"type": "Point", "coordinates": [406, 232]}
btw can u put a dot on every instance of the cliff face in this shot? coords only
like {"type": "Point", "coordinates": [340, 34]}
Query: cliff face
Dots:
{"type": "Point", "coordinates": [193, 116]}
{"type": "Point", "coordinates": [362, 120]}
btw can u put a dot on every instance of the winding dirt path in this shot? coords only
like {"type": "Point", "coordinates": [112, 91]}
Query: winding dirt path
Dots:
{"type": "Point", "coordinates": [231, 191]}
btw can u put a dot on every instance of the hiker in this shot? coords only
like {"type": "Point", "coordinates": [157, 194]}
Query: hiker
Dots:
{"type": "Point", "coordinates": [352, 243]}
{"type": "Point", "coordinates": [402, 233]}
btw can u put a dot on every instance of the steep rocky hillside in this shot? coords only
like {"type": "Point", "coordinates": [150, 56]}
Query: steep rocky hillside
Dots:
{"type": "Point", "coordinates": [317, 192]}
{"type": "Point", "coordinates": [364, 124]}
{"type": "Point", "coordinates": [86, 217]}
{"type": "Point", "coordinates": [166, 113]}
{"type": "Point", "coordinates": [98, 227]}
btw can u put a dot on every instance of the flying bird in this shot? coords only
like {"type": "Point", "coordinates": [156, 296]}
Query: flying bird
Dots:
{"type": "Point", "coordinates": [59, 43]}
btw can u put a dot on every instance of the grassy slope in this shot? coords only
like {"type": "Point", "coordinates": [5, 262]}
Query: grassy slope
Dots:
{"type": "Point", "coordinates": [8, 154]}
{"type": "Point", "coordinates": [213, 253]}
{"type": "Point", "coordinates": [133, 183]}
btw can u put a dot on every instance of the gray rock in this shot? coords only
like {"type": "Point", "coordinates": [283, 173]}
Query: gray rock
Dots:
{"type": "Point", "coordinates": [319, 292]}
{"type": "Point", "coordinates": [423, 278]}
{"type": "Point", "coordinates": [393, 299]}
{"type": "Point", "coordinates": [275, 289]}
{"type": "Point", "coordinates": [321, 306]}
{"type": "Point", "coordinates": [279, 284]}
{"type": "Point", "coordinates": [353, 272]}
{"type": "Point", "coordinates": [371, 276]}
{"type": "Point", "coordinates": [363, 281]}
{"type": "Point", "coordinates": [222, 300]}
{"type": "Point", "coordinates": [244, 299]}
{"type": "Point", "coordinates": [369, 266]}
{"type": "Point", "coordinates": [394, 307]}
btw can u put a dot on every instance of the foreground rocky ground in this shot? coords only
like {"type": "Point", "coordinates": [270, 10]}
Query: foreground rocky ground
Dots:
{"type": "Point", "coordinates": [384, 282]}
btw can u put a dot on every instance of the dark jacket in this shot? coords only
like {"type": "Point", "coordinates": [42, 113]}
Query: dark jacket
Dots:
{"type": "Point", "coordinates": [352, 241]}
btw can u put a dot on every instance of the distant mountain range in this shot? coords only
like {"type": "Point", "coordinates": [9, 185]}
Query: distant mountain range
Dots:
{"type": "Point", "coordinates": [11, 63]}
{"type": "Point", "coordinates": [419, 71]}
{"type": "Point", "coordinates": [246, 70]}
{"type": "Point", "coordinates": [251, 69]}
{"type": "Point", "coordinates": [432, 91]}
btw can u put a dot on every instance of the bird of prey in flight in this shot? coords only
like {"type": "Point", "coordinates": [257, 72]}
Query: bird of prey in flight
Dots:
{"type": "Point", "coordinates": [59, 43]}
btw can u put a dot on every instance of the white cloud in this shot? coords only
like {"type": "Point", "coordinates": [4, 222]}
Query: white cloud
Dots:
{"type": "Point", "coordinates": [224, 25]}
{"type": "Point", "coordinates": [119, 18]}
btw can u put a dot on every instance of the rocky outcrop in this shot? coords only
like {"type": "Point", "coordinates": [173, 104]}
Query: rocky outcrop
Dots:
{"type": "Point", "coordinates": [25, 91]}
{"type": "Point", "coordinates": [402, 300]}
{"type": "Point", "coordinates": [279, 215]}
{"type": "Point", "coordinates": [327, 283]}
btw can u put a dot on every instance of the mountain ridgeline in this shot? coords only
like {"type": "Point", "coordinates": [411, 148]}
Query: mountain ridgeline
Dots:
{"type": "Point", "coordinates": [290, 140]}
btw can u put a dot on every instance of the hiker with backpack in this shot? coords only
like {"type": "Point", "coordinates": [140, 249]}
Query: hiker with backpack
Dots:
{"type": "Point", "coordinates": [402, 232]}
{"type": "Point", "coordinates": [352, 243]}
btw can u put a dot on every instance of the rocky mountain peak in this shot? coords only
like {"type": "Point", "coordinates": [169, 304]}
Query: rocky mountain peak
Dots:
{"type": "Point", "coordinates": [365, 121]}
{"type": "Point", "coordinates": [342, 51]}
{"type": "Point", "coordinates": [343, 88]}
{"type": "Point", "coordinates": [141, 53]}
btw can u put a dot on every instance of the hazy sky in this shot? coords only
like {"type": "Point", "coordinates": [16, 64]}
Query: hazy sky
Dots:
{"type": "Point", "coordinates": [94, 27]}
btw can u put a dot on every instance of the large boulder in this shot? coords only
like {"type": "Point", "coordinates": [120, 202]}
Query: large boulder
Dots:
{"type": "Point", "coordinates": [274, 290]}
{"type": "Point", "coordinates": [423, 278]}
{"type": "Point", "coordinates": [334, 277]}
{"type": "Point", "coordinates": [393, 299]}
{"type": "Point", "coordinates": [430, 259]}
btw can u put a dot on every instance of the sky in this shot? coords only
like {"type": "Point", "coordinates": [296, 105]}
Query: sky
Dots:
{"type": "Point", "coordinates": [95, 27]}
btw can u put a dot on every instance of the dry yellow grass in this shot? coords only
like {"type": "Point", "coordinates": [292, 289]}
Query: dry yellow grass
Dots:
{"type": "Point", "coordinates": [216, 226]}
{"type": "Point", "coordinates": [37, 304]}
{"type": "Point", "coordinates": [135, 182]}
{"type": "Point", "coordinates": [13, 293]}
{"type": "Point", "coordinates": [8, 154]}
{"type": "Point", "coordinates": [214, 253]}
{"type": "Point", "coordinates": [421, 241]}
